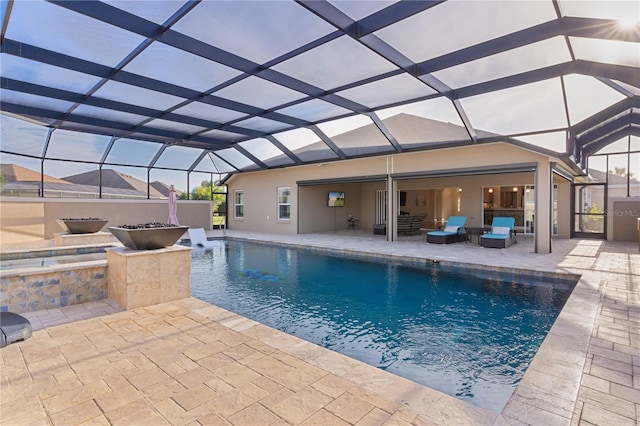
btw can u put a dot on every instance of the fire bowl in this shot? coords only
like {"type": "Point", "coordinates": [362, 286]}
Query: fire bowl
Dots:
{"type": "Point", "coordinates": [82, 225]}
{"type": "Point", "coordinates": [148, 236]}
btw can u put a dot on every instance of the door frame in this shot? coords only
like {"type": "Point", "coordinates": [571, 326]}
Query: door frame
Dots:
{"type": "Point", "coordinates": [577, 215]}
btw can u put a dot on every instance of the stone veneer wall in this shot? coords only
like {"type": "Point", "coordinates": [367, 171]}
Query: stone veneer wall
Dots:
{"type": "Point", "coordinates": [62, 286]}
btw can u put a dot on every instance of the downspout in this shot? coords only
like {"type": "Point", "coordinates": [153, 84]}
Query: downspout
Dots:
{"type": "Point", "coordinates": [391, 208]}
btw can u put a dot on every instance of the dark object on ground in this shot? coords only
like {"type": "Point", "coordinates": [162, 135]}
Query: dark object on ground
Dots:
{"type": "Point", "coordinates": [14, 328]}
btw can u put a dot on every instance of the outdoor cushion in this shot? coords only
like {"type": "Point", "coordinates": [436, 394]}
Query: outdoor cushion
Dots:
{"type": "Point", "coordinates": [451, 229]}
{"type": "Point", "coordinates": [440, 233]}
{"type": "Point", "coordinates": [495, 236]}
{"type": "Point", "coordinates": [500, 230]}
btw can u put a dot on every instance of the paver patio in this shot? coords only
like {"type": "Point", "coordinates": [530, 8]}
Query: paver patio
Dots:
{"type": "Point", "coordinates": [189, 362]}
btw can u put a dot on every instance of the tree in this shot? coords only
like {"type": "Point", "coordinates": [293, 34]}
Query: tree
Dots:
{"type": "Point", "coordinates": [620, 171]}
{"type": "Point", "coordinates": [203, 192]}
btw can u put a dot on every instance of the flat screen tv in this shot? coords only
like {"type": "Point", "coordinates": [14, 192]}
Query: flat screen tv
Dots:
{"type": "Point", "coordinates": [336, 199]}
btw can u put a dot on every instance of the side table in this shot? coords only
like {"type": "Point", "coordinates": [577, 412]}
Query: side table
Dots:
{"type": "Point", "coordinates": [471, 231]}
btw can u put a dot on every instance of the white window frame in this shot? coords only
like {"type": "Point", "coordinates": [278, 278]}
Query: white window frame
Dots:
{"type": "Point", "coordinates": [282, 203]}
{"type": "Point", "coordinates": [236, 204]}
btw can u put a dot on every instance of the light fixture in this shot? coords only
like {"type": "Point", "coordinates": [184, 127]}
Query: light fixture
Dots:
{"type": "Point", "coordinates": [490, 190]}
{"type": "Point", "coordinates": [459, 189]}
{"type": "Point", "coordinates": [515, 189]}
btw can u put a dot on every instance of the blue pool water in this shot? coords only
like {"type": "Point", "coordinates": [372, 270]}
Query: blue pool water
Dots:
{"type": "Point", "coordinates": [470, 336]}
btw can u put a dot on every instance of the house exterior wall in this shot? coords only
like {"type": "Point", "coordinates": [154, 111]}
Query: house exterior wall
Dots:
{"type": "Point", "coordinates": [622, 217]}
{"type": "Point", "coordinates": [309, 211]}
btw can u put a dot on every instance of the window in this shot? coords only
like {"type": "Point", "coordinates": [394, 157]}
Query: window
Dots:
{"type": "Point", "coordinates": [238, 202]}
{"type": "Point", "coordinates": [284, 203]}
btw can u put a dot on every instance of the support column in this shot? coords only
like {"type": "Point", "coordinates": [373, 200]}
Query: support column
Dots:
{"type": "Point", "coordinates": [139, 278]}
{"type": "Point", "coordinates": [544, 207]}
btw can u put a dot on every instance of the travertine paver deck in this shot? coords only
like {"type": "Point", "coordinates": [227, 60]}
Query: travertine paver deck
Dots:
{"type": "Point", "coordinates": [188, 362]}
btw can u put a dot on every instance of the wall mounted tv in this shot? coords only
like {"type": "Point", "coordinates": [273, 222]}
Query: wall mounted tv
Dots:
{"type": "Point", "coordinates": [336, 199]}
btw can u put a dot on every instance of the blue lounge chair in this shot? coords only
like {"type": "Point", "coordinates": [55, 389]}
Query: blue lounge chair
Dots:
{"type": "Point", "coordinates": [502, 234]}
{"type": "Point", "coordinates": [453, 232]}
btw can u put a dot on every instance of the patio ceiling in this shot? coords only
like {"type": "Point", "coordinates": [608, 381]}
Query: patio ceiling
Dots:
{"type": "Point", "coordinates": [249, 85]}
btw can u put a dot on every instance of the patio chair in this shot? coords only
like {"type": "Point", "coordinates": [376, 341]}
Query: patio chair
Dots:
{"type": "Point", "coordinates": [199, 238]}
{"type": "Point", "coordinates": [502, 234]}
{"type": "Point", "coordinates": [453, 232]}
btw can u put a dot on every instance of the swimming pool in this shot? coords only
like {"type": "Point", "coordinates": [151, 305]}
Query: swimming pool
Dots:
{"type": "Point", "coordinates": [468, 335]}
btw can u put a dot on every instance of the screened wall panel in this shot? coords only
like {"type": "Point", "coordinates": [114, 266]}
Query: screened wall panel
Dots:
{"type": "Point", "coordinates": [634, 174]}
{"type": "Point", "coordinates": [541, 103]}
{"type": "Point", "coordinates": [259, 92]}
{"type": "Point", "coordinates": [209, 112]}
{"type": "Point", "coordinates": [177, 157]}
{"type": "Point", "coordinates": [166, 63]}
{"type": "Point", "coordinates": [335, 64]}
{"type": "Point", "coordinates": [77, 146]}
{"type": "Point", "coordinates": [409, 35]}
{"type": "Point", "coordinates": [75, 35]}
{"type": "Point", "coordinates": [269, 29]}
{"type": "Point", "coordinates": [21, 136]}
{"type": "Point", "coordinates": [314, 110]}
{"type": "Point", "coordinates": [586, 96]}
{"type": "Point", "coordinates": [133, 95]}
{"type": "Point", "coordinates": [267, 152]}
{"type": "Point", "coordinates": [523, 59]}
{"type": "Point", "coordinates": [15, 67]}
{"type": "Point", "coordinates": [389, 90]}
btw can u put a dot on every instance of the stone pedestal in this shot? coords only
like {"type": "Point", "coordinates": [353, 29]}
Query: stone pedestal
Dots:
{"type": "Point", "coordinates": [67, 239]}
{"type": "Point", "coordinates": [138, 278]}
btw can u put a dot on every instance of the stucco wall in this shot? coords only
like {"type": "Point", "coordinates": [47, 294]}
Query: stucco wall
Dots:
{"type": "Point", "coordinates": [317, 216]}
{"type": "Point", "coordinates": [622, 218]}
{"type": "Point", "coordinates": [260, 188]}
{"type": "Point", "coordinates": [34, 219]}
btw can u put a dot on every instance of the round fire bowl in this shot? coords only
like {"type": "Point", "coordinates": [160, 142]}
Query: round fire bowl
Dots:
{"type": "Point", "coordinates": [82, 226]}
{"type": "Point", "coordinates": [148, 238]}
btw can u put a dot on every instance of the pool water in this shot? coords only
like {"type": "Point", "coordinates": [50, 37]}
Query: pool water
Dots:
{"type": "Point", "coordinates": [471, 336]}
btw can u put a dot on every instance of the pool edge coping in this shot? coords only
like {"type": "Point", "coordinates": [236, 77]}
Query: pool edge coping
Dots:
{"type": "Point", "coordinates": [420, 261]}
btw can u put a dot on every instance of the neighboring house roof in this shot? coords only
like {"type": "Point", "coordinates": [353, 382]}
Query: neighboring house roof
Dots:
{"type": "Point", "coordinates": [163, 188]}
{"type": "Point", "coordinates": [411, 131]}
{"type": "Point", "coordinates": [114, 179]}
{"type": "Point", "coordinates": [114, 183]}
{"type": "Point", "coordinates": [15, 173]}
{"type": "Point", "coordinates": [78, 190]}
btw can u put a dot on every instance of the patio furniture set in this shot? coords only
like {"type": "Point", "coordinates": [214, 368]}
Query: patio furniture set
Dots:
{"type": "Point", "coordinates": [501, 234]}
